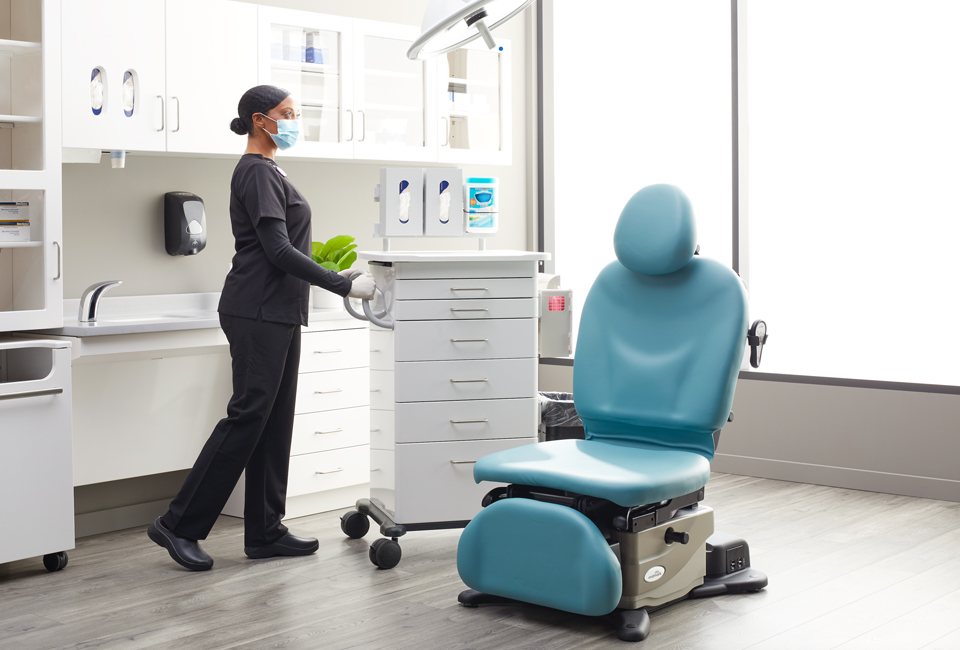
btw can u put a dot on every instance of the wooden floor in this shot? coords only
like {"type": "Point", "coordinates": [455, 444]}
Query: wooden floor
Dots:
{"type": "Point", "coordinates": [848, 569]}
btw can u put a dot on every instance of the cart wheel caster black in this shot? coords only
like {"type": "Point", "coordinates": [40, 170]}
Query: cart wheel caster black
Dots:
{"type": "Point", "coordinates": [354, 524]}
{"type": "Point", "coordinates": [55, 561]}
{"type": "Point", "coordinates": [385, 553]}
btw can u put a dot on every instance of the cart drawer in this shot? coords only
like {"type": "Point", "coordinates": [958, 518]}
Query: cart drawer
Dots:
{"type": "Point", "coordinates": [469, 309]}
{"type": "Point", "coordinates": [381, 429]}
{"type": "Point", "coordinates": [460, 268]}
{"type": "Point", "coordinates": [381, 390]}
{"type": "Point", "coordinates": [433, 381]}
{"type": "Point", "coordinates": [468, 420]}
{"type": "Point", "coordinates": [434, 481]}
{"type": "Point", "coordinates": [452, 289]}
{"type": "Point", "coordinates": [436, 340]}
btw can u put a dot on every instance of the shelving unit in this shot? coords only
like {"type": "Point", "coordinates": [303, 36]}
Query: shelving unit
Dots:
{"type": "Point", "coordinates": [31, 272]}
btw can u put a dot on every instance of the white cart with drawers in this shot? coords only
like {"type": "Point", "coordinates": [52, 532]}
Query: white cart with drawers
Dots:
{"type": "Point", "coordinates": [454, 380]}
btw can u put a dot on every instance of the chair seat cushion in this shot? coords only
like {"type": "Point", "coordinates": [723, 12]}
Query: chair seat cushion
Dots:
{"type": "Point", "coordinates": [625, 475]}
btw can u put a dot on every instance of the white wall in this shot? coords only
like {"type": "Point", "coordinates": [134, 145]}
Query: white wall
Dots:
{"type": "Point", "coordinates": [112, 219]}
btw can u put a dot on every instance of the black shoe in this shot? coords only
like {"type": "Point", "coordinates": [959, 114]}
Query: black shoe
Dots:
{"type": "Point", "coordinates": [286, 545]}
{"type": "Point", "coordinates": [185, 552]}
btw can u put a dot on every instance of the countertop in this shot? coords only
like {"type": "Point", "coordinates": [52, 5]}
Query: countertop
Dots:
{"type": "Point", "coordinates": [163, 313]}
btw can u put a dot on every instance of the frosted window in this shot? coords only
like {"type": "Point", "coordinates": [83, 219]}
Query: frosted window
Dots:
{"type": "Point", "coordinates": [641, 99]}
{"type": "Point", "coordinates": [853, 177]}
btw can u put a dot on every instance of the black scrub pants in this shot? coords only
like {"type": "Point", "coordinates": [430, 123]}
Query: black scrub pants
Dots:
{"type": "Point", "coordinates": [254, 436]}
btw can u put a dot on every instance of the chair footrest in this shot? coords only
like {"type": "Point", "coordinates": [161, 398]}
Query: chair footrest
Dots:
{"type": "Point", "coordinates": [540, 553]}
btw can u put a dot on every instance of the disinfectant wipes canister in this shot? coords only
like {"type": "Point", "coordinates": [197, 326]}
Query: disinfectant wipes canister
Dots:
{"type": "Point", "coordinates": [481, 204]}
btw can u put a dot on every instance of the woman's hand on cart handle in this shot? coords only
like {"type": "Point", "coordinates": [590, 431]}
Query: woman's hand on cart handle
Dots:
{"type": "Point", "coordinates": [363, 286]}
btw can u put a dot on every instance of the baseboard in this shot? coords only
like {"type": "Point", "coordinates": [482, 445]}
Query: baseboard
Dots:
{"type": "Point", "coordinates": [106, 521]}
{"type": "Point", "coordinates": [843, 477]}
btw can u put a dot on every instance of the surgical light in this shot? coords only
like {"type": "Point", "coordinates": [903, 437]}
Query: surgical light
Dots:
{"type": "Point", "coordinates": [451, 24]}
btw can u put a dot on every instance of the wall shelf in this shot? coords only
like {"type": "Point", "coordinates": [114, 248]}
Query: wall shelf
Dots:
{"type": "Point", "coordinates": [19, 120]}
{"type": "Point", "coordinates": [20, 244]}
{"type": "Point", "coordinates": [17, 48]}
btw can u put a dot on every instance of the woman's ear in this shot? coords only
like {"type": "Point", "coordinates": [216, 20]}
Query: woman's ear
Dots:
{"type": "Point", "coordinates": [257, 121]}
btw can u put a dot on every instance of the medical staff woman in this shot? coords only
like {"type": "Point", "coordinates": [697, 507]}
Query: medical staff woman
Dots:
{"type": "Point", "coordinates": [262, 307]}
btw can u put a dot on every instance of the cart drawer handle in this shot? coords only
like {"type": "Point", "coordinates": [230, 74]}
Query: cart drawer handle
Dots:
{"type": "Point", "coordinates": [469, 421]}
{"type": "Point", "coordinates": [333, 471]}
{"type": "Point", "coordinates": [32, 393]}
{"type": "Point", "coordinates": [466, 381]}
{"type": "Point", "coordinates": [465, 309]}
{"type": "Point", "coordinates": [462, 462]}
{"type": "Point", "coordinates": [469, 289]}
{"type": "Point", "coordinates": [469, 340]}
{"type": "Point", "coordinates": [317, 433]}
{"type": "Point", "coordinates": [324, 392]}
{"type": "Point", "coordinates": [326, 351]}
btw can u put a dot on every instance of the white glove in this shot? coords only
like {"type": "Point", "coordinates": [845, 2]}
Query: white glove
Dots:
{"type": "Point", "coordinates": [363, 287]}
{"type": "Point", "coordinates": [346, 274]}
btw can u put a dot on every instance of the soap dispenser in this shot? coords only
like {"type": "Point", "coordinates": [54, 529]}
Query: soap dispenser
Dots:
{"type": "Point", "coordinates": [184, 223]}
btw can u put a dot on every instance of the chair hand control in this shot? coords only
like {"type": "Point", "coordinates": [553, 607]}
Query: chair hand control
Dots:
{"type": "Point", "coordinates": [673, 536]}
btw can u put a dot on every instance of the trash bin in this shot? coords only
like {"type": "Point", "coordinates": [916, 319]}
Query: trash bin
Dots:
{"type": "Point", "coordinates": [558, 417]}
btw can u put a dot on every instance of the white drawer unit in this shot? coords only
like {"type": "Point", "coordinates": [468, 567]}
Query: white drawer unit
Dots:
{"type": "Point", "coordinates": [454, 379]}
{"type": "Point", "coordinates": [330, 450]}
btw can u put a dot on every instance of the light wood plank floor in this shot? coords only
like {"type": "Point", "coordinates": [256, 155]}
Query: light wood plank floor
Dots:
{"type": "Point", "coordinates": [848, 570]}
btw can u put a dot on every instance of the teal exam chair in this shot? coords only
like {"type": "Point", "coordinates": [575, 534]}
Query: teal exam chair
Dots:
{"type": "Point", "coordinates": [614, 522]}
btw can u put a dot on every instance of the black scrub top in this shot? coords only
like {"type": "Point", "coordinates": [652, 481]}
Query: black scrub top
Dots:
{"type": "Point", "coordinates": [254, 287]}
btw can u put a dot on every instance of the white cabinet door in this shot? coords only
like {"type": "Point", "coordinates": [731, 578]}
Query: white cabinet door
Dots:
{"type": "Point", "coordinates": [474, 123]}
{"type": "Point", "coordinates": [393, 95]}
{"type": "Point", "coordinates": [113, 40]}
{"type": "Point", "coordinates": [311, 55]}
{"type": "Point", "coordinates": [211, 61]}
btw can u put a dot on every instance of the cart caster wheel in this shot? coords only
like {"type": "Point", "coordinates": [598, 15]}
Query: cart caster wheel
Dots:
{"type": "Point", "coordinates": [385, 553]}
{"type": "Point", "coordinates": [354, 524]}
{"type": "Point", "coordinates": [55, 561]}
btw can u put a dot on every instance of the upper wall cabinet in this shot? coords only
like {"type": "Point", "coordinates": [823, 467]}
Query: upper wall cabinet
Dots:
{"type": "Point", "coordinates": [393, 95]}
{"type": "Point", "coordinates": [475, 105]}
{"type": "Point", "coordinates": [211, 61]}
{"type": "Point", "coordinates": [112, 71]}
{"type": "Point", "coordinates": [311, 55]}
{"type": "Point", "coordinates": [155, 75]}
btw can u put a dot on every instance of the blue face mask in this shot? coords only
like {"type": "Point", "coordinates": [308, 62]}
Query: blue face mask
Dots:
{"type": "Point", "coordinates": [288, 132]}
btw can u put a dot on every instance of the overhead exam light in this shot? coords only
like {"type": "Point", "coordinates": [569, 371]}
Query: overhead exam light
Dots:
{"type": "Point", "coordinates": [451, 24]}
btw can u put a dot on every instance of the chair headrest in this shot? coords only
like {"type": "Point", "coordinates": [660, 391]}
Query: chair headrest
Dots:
{"type": "Point", "coordinates": [656, 233]}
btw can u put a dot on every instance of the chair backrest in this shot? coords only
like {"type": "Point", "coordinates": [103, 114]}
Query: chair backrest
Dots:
{"type": "Point", "coordinates": [662, 333]}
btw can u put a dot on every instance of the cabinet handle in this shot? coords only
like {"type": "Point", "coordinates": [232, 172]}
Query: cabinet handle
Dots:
{"type": "Point", "coordinates": [59, 260]}
{"type": "Point", "coordinates": [324, 392]}
{"type": "Point", "coordinates": [469, 340]}
{"type": "Point", "coordinates": [332, 471]}
{"type": "Point", "coordinates": [32, 393]}
{"type": "Point", "coordinates": [351, 125]}
{"type": "Point", "coordinates": [317, 433]}
{"type": "Point", "coordinates": [374, 430]}
{"type": "Point", "coordinates": [363, 131]}
{"type": "Point", "coordinates": [326, 351]}
{"type": "Point", "coordinates": [177, 130]}
{"type": "Point", "coordinates": [466, 381]}
{"type": "Point", "coordinates": [462, 462]}
{"type": "Point", "coordinates": [374, 350]}
{"type": "Point", "coordinates": [469, 421]}
{"type": "Point", "coordinates": [464, 309]}
{"type": "Point", "coordinates": [375, 469]}
{"type": "Point", "coordinates": [469, 289]}
{"type": "Point", "coordinates": [162, 109]}
{"type": "Point", "coordinates": [374, 390]}
{"type": "Point", "coordinates": [446, 130]}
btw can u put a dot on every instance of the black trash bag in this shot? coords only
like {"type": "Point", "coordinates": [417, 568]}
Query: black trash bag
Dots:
{"type": "Point", "coordinates": [559, 417]}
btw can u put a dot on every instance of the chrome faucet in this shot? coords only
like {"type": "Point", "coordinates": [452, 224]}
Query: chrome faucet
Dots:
{"type": "Point", "coordinates": [90, 300]}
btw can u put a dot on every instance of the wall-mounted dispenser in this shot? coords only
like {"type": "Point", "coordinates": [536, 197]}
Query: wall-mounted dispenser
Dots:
{"type": "Point", "coordinates": [184, 223]}
{"type": "Point", "coordinates": [400, 194]}
{"type": "Point", "coordinates": [443, 203]}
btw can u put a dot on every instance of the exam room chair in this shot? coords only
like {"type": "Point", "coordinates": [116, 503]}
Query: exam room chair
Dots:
{"type": "Point", "coordinates": [614, 523]}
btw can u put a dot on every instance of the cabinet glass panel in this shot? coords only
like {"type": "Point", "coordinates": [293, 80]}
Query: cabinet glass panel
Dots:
{"type": "Point", "coordinates": [473, 99]}
{"type": "Point", "coordinates": [393, 94]}
{"type": "Point", "coordinates": [21, 87]}
{"type": "Point", "coordinates": [306, 62]}
{"type": "Point", "coordinates": [22, 282]}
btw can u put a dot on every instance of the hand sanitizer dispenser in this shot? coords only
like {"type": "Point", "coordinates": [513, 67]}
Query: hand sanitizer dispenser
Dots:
{"type": "Point", "coordinates": [184, 223]}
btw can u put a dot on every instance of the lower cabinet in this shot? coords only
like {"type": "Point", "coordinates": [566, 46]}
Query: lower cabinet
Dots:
{"type": "Point", "coordinates": [330, 450]}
